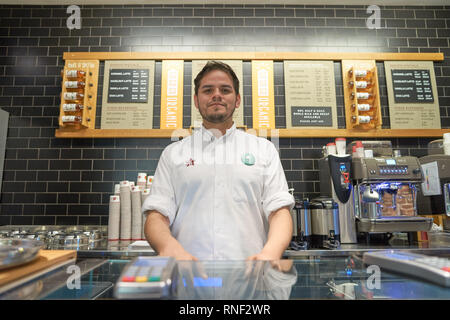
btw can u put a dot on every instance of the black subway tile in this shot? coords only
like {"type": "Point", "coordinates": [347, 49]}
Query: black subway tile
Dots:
{"type": "Point", "coordinates": [47, 175]}
{"type": "Point", "coordinates": [24, 197]}
{"type": "Point", "coordinates": [44, 220]}
{"type": "Point", "coordinates": [55, 209]}
{"type": "Point", "coordinates": [21, 220]}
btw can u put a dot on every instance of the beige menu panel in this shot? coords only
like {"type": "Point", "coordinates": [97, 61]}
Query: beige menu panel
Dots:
{"type": "Point", "coordinates": [310, 94]}
{"type": "Point", "coordinates": [128, 90]}
{"type": "Point", "coordinates": [236, 65]}
{"type": "Point", "coordinates": [412, 95]}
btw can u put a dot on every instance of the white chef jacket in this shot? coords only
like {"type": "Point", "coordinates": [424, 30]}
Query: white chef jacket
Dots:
{"type": "Point", "coordinates": [219, 192]}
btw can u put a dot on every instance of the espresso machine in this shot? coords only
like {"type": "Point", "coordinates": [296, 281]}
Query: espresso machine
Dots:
{"type": "Point", "coordinates": [434, 195]}
{"type": "Point", "coordinates": [385, 191]}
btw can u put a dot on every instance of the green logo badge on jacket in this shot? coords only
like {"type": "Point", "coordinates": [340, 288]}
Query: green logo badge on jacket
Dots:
{"type": "Point", "coordinates": [248, 159]}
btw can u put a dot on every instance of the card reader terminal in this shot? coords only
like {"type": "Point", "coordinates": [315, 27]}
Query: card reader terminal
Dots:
{"type": "Point", "coordinates": [146, 278]}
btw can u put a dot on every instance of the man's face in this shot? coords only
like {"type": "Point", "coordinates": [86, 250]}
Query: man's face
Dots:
{"type": "Point", "coordinates": [216, 98]}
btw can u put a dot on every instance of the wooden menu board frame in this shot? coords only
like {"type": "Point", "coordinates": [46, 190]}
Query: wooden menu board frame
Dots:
{"type": "Point", "coordinates": [249, 56]}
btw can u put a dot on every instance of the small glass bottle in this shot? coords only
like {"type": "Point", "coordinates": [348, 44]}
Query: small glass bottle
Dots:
{"type": "Point", "coordinates": [73, 96]}
{"type": "Point", "coordinates": [71, 120]}
{"type": "Point", "coordinates": [360, 73]}
{"type": "Point", "coordinates": [75, 74]}
{"type": "Point", "coordinates": [74, 84]}
{"type": "Point", "coordinates": [361, 84]}
{"type": "Point", "coordinates": [361, 96]}
{"type": "Point", "coordinates": [363, 107]}
{"type": "Point", "coordinates": [72, 107]}
{"type": "Point", "coordinates": [362, 119]}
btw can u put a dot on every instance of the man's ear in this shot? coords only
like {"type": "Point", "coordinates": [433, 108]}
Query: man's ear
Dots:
{"type": "Point", "coordinates": [196, 101]}
{"type": "Point", "coordinates": [238, 100]}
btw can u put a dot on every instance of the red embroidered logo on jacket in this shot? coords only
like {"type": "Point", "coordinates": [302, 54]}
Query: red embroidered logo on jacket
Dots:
{"type": "Point", "coordinates": [190, 162]}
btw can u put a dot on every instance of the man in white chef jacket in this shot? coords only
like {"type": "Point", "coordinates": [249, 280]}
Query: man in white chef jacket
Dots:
{"type": "Point", "coordinates": [220, 193]}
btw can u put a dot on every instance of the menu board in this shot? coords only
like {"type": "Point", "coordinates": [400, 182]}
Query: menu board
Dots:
{"type": "Point", "coordinates": [128, 90]}
{"type": "Point", "coordinates": [310, 94]}
{"type": "Point", "coordinates": [236, 65]}
{"type": "Point", "coordinates": [411, 94]}
{"type": "Point", "coordinates": [311, 116]}
{"type": "Point", "coordinates": [412, 86]}
{"type": "Point", "coordinates": [128, 85]}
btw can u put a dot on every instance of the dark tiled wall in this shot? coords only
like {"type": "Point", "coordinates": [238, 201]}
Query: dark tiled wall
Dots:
{"type": "Point", "coordinates": [68, 181]}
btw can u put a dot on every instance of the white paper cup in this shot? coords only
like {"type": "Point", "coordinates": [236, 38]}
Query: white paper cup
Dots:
{"type": "Point", "coordinates": [368, 153]}
{"type": "Point", "coordinates": [340, 146]}
{"type": "Point", "coordinates": [331, 148]}
{"type": "Point", "coordinates": [446, 137]}
{"type": "Point", "coordinates": [447, 148]}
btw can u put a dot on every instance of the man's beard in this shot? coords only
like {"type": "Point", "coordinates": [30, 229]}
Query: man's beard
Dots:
{"type": "Point", "coordinates": [216, 117]}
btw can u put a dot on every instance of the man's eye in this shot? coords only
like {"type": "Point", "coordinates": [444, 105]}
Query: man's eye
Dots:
{"type": "Point", "coordinates": [226, 90]}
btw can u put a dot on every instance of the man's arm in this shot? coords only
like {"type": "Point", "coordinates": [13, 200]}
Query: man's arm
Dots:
{"type": "Point", "coordinates": [279, 237]}
{"type": "Point", "coordinates": [157, 232]}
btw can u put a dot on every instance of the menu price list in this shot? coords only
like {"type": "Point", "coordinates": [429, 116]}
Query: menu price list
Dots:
{"type": "Point", "coordinates": [412, 86]}
{"type": "Point", "coordinates": [128, 86]}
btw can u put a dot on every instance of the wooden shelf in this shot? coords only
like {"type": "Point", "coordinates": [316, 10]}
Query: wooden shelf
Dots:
{"type": "Point", "coordinates": [277, 56]}
{"type": "Point", "coordinates": [248, 56]}
{"type": "Point", "coordinates": [282, 133]}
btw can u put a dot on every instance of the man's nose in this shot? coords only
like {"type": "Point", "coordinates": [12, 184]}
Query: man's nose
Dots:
{"type": "Point", "coordinates": [217, 94]}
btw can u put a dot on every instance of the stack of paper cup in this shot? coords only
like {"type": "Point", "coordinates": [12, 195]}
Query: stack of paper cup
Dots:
{"type": "Point", "coordinates": [359, 149]}
{"type": "Point", "coordinates": [340, 146]}
{"type": "Point", "coordinates": [447, 143]}
{"type": "Point", "coordinates": [125, 210]}
{"type": "Point", "coordinates": [136, 216]}
{"type": "Point", "coordinates": [145, 194]}
{"type": "Point", "coordinates": [117, 189]}
{"type": "Point", "coordinates": [142, 180]}
{"type": "Point", "coordinates": [149, 181]}
{"type": "Point", "coordinates": [114, 218]}
{"type": "Point", "coordinates": [331, 148]}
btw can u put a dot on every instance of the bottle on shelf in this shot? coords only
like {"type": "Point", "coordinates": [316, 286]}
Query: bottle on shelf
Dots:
{"type": "Point", "coordinates": [73, 120]}
{"type": "Point", "coordinates": [361, 106]}
{"type": "Point", "coordinates": [73, 96]}
{"type": "Point", "coordinates": [361, 84]}
{"type": "Point", "coordinates": [74, 84]}
{"type": "Point", "coordinates": [361, 96]}
{"type": "Point", "coordinates": [75, 74]}
{"type": "Point", "coordinates": [72, 107]}
{"type": "Point", "coordinates": [360, 73]}
{"type": "Point", "coordinates": [362, 119]}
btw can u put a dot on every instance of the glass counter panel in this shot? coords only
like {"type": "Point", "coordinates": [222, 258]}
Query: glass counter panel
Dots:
{"type": "Point", "coordinates": [336, 278]}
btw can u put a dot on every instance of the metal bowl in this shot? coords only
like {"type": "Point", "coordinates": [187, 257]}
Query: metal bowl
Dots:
{"type": "Point", "coordinates": [14, 252]}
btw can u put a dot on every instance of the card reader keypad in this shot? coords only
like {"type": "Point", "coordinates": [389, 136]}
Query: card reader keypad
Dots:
{"type": "Point", "coordinates": [142, 272]}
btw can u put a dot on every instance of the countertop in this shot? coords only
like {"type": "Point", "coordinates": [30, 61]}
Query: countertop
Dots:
{"type": "Point", "coordinates": [342, 277]}
{"type": "Point", "coordinates": [307, 274]}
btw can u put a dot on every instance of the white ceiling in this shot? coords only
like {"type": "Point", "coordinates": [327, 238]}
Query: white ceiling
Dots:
{"type": "Point", "coordinates": [287, 2]}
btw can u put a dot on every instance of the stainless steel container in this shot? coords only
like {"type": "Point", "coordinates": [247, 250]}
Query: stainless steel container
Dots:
{"type": "Point", "coordinates": [303, 219]}
{"type": "Point", "coordinates": [324, 223]}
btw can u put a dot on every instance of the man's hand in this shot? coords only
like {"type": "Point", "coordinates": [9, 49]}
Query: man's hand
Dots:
{"type": "Point", "coordinates": [280, 234]}
{"type": "Point", "coordinates": [264, 256]}
{"type": "Point", "coordinates": [158, 234]}
{"type": "Point", "coordinates": [178, 254]}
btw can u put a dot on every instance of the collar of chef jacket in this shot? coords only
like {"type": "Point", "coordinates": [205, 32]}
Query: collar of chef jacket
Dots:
{"type": "Point", "coordinates": [207, 135]}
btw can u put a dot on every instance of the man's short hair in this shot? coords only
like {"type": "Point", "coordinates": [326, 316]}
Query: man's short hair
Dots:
{"type": "Point", "coordinates": [216, 65]}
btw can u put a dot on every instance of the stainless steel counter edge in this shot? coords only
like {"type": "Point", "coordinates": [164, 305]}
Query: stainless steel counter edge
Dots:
{"type": "Point", "coordinates": [344, 250]}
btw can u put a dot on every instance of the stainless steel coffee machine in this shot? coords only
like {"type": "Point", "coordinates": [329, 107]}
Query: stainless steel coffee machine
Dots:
{"type": "Point", "coordinates": [385, 191]}
{"type": "Point", "coordinates": [434, 195]}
